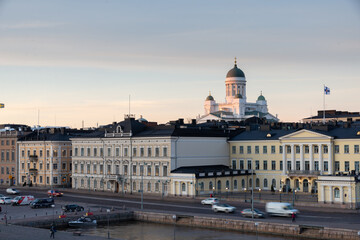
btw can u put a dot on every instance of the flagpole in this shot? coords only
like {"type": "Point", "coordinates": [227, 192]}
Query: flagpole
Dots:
{"type": "Point", "coordinates": [324, 104]}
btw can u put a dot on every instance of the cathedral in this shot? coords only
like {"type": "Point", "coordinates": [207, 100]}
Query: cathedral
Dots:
{"type": "Point", "coordinates": [235, 107]}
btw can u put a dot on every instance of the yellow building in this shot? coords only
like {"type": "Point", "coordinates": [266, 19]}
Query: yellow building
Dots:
{"type": "Point", "coordinates": [289, 159]}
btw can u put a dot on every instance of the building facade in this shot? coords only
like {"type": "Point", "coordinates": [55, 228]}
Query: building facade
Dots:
{"type": "Point", "coordinates": [295, 159]}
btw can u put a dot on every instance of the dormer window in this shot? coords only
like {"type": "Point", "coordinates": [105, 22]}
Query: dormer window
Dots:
{"type": "Point", "coordinates": [268, 135]}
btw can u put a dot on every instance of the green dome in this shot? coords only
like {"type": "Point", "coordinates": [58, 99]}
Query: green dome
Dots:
{"type": "Point", "coordinates": [210, 98]}
{"type": "Point", "coordinates": [238, 95]}
{"type": "Point", "coordinates": [261, 98]}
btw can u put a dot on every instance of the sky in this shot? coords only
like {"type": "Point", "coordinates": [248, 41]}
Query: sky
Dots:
{"type": "Point", "coordinates": [77, 63]}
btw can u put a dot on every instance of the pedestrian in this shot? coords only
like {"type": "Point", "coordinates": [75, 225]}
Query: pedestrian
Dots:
{"type": "Point", "coordinates": [293, 216]}
{"type": "Point", "coordinates": [211, 195]}
{"type": "Point", "coordinates": [52, 231]}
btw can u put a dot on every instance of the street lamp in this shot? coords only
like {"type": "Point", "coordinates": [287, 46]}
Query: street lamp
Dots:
{"type": "Point", "coordinates": [107, 213]}
{"type": "Point", "coordinates": [280, 193]}
{"type": "Point", "coordinates": [227, 192]}
{"type": "Point", "coordinates": [259, 193]}
{"type": "Point", "coordinates": [245, 194]}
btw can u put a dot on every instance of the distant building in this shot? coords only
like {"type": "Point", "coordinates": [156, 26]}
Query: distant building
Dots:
{"type": "Point", "coordinates": [235, 107]}
{"type": "Point", "coordinates": [332, 116]}
{"type": "Point", "coordinates": [9, 134]}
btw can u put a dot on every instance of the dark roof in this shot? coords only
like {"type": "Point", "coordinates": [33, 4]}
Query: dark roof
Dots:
{"type": "Point", "coordinates": [335, 114]}
{"type": "Point", "coordinates": [341, 132]}
{"type": "Point", "coordinates": [235, 72]}
{"type": "Point", "coordinates": [56, 134]}
{"type": "Point", "coordinates": [201, 169]}
{"type": "Point", "coordinates": [261, 135]}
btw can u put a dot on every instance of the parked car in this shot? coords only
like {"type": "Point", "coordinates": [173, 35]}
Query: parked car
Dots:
{"type": "Point", "coordinates": [5, 200]}
{"type": "Point", "coordinates": [22, 200]}
{"type": "Point", "coordinates": [12, 191]}
{"type": "Point", "coordinates": [280, 209]}
{"type": "Point", "coordinates": [223, 208]}
{"type": "Point", "coordinates": [54, 193]}
{"type": "Point", "coordinates": [72, 208]}
{"type": "Point", "coordinates": [248, 213]}
{"type": "Point", "coordinates": [42, 203]}
{"type": "Point", "coordinates": [210, 201]}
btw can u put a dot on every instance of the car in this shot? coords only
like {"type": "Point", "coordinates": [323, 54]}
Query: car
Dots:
{"type": "Point", "coordinates": [5, 200]}
{"type": "Point", "coordinates": [72, 208]}
{"type": "Point", "coordinates": [12, 191]}
{"type": "Point", "coordinates": [248, 213]}
{"type": "Point", "coordinates": [2, 195]}
{"type": "Point", "coordinates": [42, 203]}
{"type": "Point", "coordinates": [209, 201]}
{"type": "Point", "coordinates": [223, 208]}
{"type": "Point", "coordinates": [54, 193]}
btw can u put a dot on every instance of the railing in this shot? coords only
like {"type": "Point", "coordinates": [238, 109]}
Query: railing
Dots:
{"type": "Point", "coordinates": [33, 158]}
{"type": "Point", "coordinates": [303, 173]}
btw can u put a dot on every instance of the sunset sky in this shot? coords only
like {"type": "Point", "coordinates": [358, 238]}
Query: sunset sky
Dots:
{"type": "Point", "coordinates": [76, 61]}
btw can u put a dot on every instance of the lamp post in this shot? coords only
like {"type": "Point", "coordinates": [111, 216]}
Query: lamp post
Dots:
{"type": "Point", "coordinates": [107, 213]}
{"type": "Point", "coordinates": [252, 189]}
{"type": "Point", "coordinates": [259, 193]}
{"type": "Point", "coordinates": [227, 192]}
{"type": "Point", "coordinates": [280, 193]}
{"type": "Point", "coordinates": [214, 191]}
{"type": "Point", "coordinates": [142, 187]}
{"type": "Point", "coordinates": [245, 194]}
{"type": "Point", "coordinates": [293, 201]}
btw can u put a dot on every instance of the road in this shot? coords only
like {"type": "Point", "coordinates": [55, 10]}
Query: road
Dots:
{"type": "Point", "coordinates": [92, 200]}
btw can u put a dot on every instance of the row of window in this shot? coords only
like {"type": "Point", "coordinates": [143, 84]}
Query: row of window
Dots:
{"type": "Point", "coordinates": [96, 153]}
{"type": "Point", "coordinates": [5, 155]}
{"type": "Point", "coordinates": [125, 170]}
{"type": "Point", "coordinates": [7, 170]}
{"type": "Point", "coordinates": [34, 179]}
{"type": "Point", "coordinates": [55, 166]}
{"type": "Point", "coordinates": [325, 149]}
{"type": "Point", "coordinates": [7, 142]}
{"type": "Point", "coordinates": [34, 153]}
{"type": "Point", "coordinates": [234, 186]}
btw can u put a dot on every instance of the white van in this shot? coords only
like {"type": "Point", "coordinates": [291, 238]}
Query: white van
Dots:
{"type": "Point", "coordinates": [280, 209]}
{"type": "Point", "coordinates": [22, 200]}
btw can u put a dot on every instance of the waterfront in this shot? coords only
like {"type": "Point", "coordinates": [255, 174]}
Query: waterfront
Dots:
{"type": "Point", "coordinates": [142, 231]}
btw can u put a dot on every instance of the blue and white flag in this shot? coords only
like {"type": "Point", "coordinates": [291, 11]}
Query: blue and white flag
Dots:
{"type": "Point", "coordinates": [326, 90]}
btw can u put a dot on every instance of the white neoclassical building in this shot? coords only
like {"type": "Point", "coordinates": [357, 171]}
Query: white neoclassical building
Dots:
{"type": "Point", "coordinates": [235, 107]}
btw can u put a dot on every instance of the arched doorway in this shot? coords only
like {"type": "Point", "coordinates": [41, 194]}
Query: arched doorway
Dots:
{"type": "Point", "coordinates": [305, 185]}
{"type": "Point", "coordinates": [287, 185]}
{"type": "Point", "coordinates": [219, 186]}
{"type": "Point", "coordinates": [314, 186]}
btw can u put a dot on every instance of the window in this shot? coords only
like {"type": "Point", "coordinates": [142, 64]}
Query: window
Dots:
{"type": "Point", "coordinates": [183, 187]}
{"type": "Point", "coordinates": [156, 186]}
{"type": "Point", "coordinates": [134, 186]}
{"type": "Point", "coordinates": [326, 149]}
{"type": "Point", "coordinates": [256, 149]}
{"type": "Point", "coordinates": [357, 166]}
{"type": "Point", "coordinates": [249, 165]}
{"type": "Point", "coordinates": [7, 155]}
{"type": "Point", "coordinates": [297, 149]}
{"type": "Point", "coordinates": [243, 183]}
{"type": "Point", "coordinates": [117, 169]}
{"type": "Point", "coordinates": [337, 166]}
{"type": "Point", "coordinates": [346, 148]}
{"type": "Point", "coordinates": [125, 152]}
{"type": "Point", "coordinates": [264, 149]}
{"type": "Point", "coordinates": [102, 169]}
{"type": "Point", "coordinates": [141, 152]}
{"type": "Point", "coordinates": [281, 165]}
{"type": "Point", "coordinates": [82, 152]}
{"type": "Point", "coordinates": [41, 179]}
{"type": "Point", "coordinates": [41, 166]}
{"type": "Point", "coordinates": [241, 149]}
{"type": "Point", "coordinates": [64, 166]}
{"type": "Point", "coordinates": [63, 153]}
{"type": "Point", "coordinates": [149, 186]}
{"type": "Point", "coordinates": [117, 152]}
{"type": "Point", "coordinates": [22, 153]}
{"type": "Point", "coordinates": [316, 149]}
{"type": "Point", "coordinates": [257, 183]}
{"type": "Point", "coordinates": [273, 165]}
{"type": "Point", "coordinates": [356, 148]}
{"type": "Point", "coordinates": [95, 168]}
{"type": "Point", "coordinates": [149, 170]}
{"type": "Point", "coordinates": [125, 169]}
{"type": "Point", "coordinates": [134, 169]}
{"type": "Point", "coordinates": [288, 149]}
{"type": "Point", "coordinates": [108, 185]}
{"type": "Point", "coordinates": [101, 152]}
{"type": "Point", "coordinates": [241, 164]}
{"type": "Point", "coordinates": [289, 165]}
{"type": "Point", "coordinates": [165, 173]}
{"type": "Point", "coordinates": [109, 151]}
{"type": "Point", "coordinates": [233, 149]}
{"type": "Point", "coordinates": [95, 152]}
{"type": "Point", "coordinates": [75, 168]}
{"type": "Point", "coordinates": [233, 164]}
{"type": "Point", "coordinates": [273, 183]}
{"type": "Point", "coordinates": [257, 165]}
{"type": "Point", "coordinates": [280, 149]}
{"type": "Point", "coordinates": [249, 149]}
{"type": "Point", "coordinates": [347, 167]}
{"type": "Point", "coordinates": [227, 185]}
{"type": "Point", "coordinates": [88, 152]}
{"type": "Point", "coordinates": [55, 180]}
{"type": "Point", "coordinates": [297, 163]}
{"type": "Point", "coordinates": [81, 168]}
{"type": "Point", "coordinates": [134, 151]}
{"type": "Point", "coordinates": [210, 185]}
{"type": "Point", "coordinates": [149, 152]}
{"type": "Point", "coordinates": [235, 184]}
{"type": "Point", "coordinates": [307, 165]}
{"type": "Point", "coordinates": [12, 142]}
{"type": "Point", "coordinates": [336, 193]}
{"type": "Point", "coordinates": [165, 151]}
{"type": "Point", "coordinates": [306, 149]}
{"type": "Point", "coordinates": [2, 170]}
{"type": "Point", "coordinates": [28, 153]}
{"type": "Point", "coordinates": [316, 165]}
{"type": "Point", "coordinates": [265, 183]}
{"type": "Point", "coordinates": [55, 166]}
{"type": "Point", "coordinates": [157, 171]}
{"type": "Point", "coordinates": [273, 149]}
{"type": "Point", "coordinates": [336, 149]}
{"type": "Point", "coordinates": [265, 165]}
{"type": "Point", "coordinates": [108, 169]}
{"type": "Point", "coordinates": [157, 152]}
